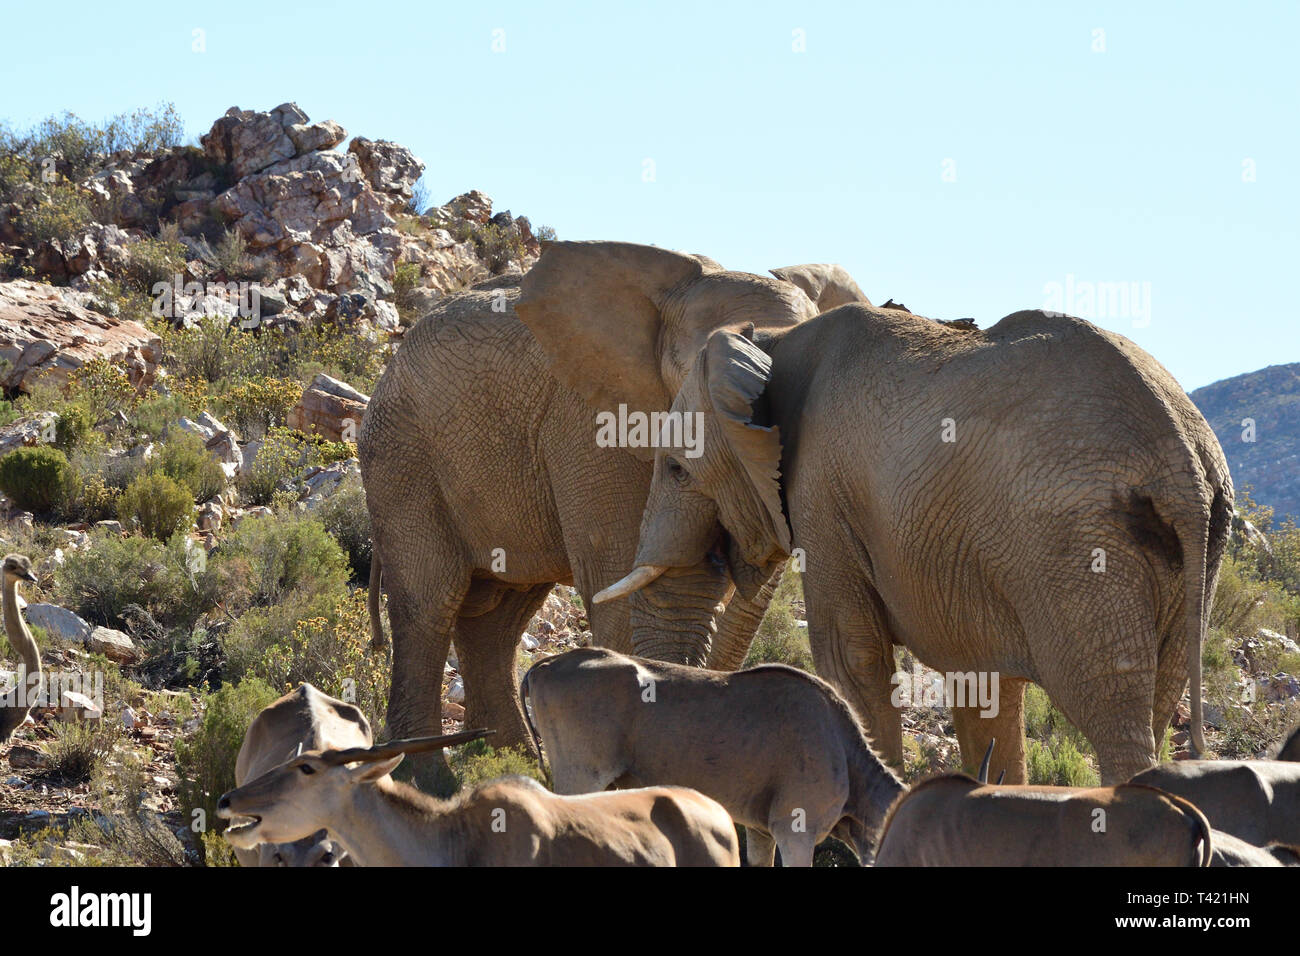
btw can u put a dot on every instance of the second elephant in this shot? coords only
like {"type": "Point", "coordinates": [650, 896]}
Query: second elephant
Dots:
{"type": "Point", "coordinates": [1039, 500]}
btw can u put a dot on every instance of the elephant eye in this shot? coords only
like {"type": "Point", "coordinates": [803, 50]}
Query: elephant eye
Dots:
{"type": "Point", "coordinates": [675, 469]}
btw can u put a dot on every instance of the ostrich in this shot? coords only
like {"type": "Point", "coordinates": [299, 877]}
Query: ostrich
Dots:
{"type": "Point", "coordinates": [15, 568]}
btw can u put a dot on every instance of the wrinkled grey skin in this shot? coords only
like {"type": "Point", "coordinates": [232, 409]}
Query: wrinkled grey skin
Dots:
{"type": "Point", "coordinates": [1256, 800]}
{"type": "Point", "coordinates": [303, 719]}
{"type": "Point", "coordinates": [980, 553]}
{"type": "Point", "coordinates": [473, 442]}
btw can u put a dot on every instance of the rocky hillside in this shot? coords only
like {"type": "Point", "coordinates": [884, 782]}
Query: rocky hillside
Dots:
{"type": "Point", "coordinates": [1270, 464]}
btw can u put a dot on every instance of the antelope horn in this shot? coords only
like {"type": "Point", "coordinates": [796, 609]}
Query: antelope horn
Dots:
{"type": "Point", "coordinates": [407, 745]}
{"type": "Point", "coordinates": [984, 764]}
{"type": "Point", "coordinates": [1002, 776]}
{"type": "Point", "coordinates": [641, 576]}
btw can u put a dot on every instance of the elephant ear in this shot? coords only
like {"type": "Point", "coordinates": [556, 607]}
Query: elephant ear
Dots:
{"type": "Point", "coordinates": [595, 308]}
{"type": "Point", "coordinates": [735, 374]}
{"type": "Point", "coordinates": [829, 286]}
{"type": "Point", "coordinates": [710, 264]}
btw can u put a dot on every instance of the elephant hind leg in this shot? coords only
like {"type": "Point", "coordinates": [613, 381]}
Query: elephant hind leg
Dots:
{"type": "Point", "coordinates": [1171, 681]}
{"type": "Point", "coordinates": [1007, 726]}
{"type": "Point", "coordinates": [486, 645]}
{"type": "Point", "coordinates": [422, 613]}
{"type": "Point", "coordinates": [1104, 681]}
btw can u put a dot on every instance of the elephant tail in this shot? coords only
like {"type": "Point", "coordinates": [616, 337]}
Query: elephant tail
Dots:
{"type": "Point", "coordinates": [1195, 546]}
{"type": "Point", "coordinates": [377, 641]}
{"type": "Point", "coordinates": [528, 717]}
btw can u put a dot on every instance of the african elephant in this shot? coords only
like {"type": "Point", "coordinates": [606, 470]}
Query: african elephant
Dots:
{"type": "Point", "coordinates": [486, 485]}
{"type": "Point", "coordinates": [1039, 500]}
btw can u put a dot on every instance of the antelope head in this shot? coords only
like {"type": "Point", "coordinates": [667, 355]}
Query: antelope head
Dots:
{"type": "Point", "coordinates": [313, 790]}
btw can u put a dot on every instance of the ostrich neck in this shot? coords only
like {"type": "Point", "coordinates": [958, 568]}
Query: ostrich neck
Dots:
{"type": "Point", "coordinates": [20, 638]}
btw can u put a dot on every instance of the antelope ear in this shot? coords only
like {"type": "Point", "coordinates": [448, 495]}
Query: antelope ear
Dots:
{"type": "Point", "coordinates": [370, 772]}
{"type": "Point", "coordinates": [735, 374]}
{"type": "Point", "coordinates": [829, 286]}
{"type": "Point", "coordinates": [595, 308]}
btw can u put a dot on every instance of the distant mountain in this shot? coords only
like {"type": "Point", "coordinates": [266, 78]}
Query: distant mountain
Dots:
{"type": "Point", "coordinates": [1271, 463]}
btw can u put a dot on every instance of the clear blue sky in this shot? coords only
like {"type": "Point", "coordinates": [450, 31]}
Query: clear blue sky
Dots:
{"type": "Point", "coordinates": [1122, 166]}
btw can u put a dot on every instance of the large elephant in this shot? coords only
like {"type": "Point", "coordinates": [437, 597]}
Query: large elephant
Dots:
{"type": "Point", "coordinates": [486, 485]}
{"type": "Point", "coordinates": [1039, 499]}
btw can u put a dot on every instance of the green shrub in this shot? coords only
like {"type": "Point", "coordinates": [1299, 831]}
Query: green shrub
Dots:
{"type": "Point", "coordinates": [779, 639]}
{"type": "Point", "coordinates": [1058, 763]}
{"type": "Point", "coordinates": [205, 761]}
{"type": "Point", "coordinates": [333, 652]}
{"type": "Point", "coordinates": [35, 479]}
{"type": "Point", "coordinates": [207, 350]}
{"type": "Point", "coordinates": [102, 387]}
{"type": "Point", "coordinates": [102, 581]}
{"type": "Point", "coordinates": [79, 747]}
{"type": "Point", "coordinates": [405, 282]}
{"type": "Point", "coordinates": [62, 214]}
{"type": "Point", "coordinates": [151, 261]}
{"type": "Point", "coordinates": [477, 762]}
{"type": "Point", "coordinates": [265, 559]}
{"type": "Point", "coordinates": [185, 459]}
{"type": "Point", "coordinates": [499, 245]}
{"type": "Point", "coordinates": [230, 258]}
{"type": "Point", "coordinates": [160, 505]}
{"type": "Point", "coordinates": [259, 403]}
{"type": "Point", "coordinates": [87, 496]}
{"type": "Point", "coordinates": [284, 454]}
{"type": "Point", "coordinates": [345, 516]}
{"type": "Point", "coordinates": [72, 426]}
{"type": "Point", "coordinates": [157, 413]}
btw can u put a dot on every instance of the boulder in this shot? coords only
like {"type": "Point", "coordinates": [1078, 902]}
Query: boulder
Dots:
{"type": "Point", "coordinates": [45, 337]}
{"type": "Point", "coordinates": [320, 220]}
{"type": "Point", "coordinates": [67, 626]}
{"type": "Point", "coordinates": [220, 441]}
{"type": "Point", "coordinates": [115, 645]}
{"type": "Point", "coordinates": [388, 167]}
{"type": "Point", "coordinates": [248, 141]}
{"type": "Point", "coordinates": [329, 408]}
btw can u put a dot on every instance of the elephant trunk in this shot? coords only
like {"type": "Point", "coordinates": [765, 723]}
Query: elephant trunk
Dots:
{"type": "Point", "coordinates": [675, 619]}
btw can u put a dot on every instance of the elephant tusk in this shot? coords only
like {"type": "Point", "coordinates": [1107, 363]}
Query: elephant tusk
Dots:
{"type": "Point", "coordinates": [639, 578]}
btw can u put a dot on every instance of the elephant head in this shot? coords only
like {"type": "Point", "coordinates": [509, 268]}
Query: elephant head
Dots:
{"type": "Point", "coordinates": [622, 322]}
{"type": "Point", "coordinates": [623, 325]}
{"type": "Point", "coordinates": [727, 500]}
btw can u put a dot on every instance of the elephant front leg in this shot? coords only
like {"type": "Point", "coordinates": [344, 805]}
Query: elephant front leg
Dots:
{"type": "Point", "coordinates": [975, 729]}
{"type": "Point", "coordinates": [852, 649]}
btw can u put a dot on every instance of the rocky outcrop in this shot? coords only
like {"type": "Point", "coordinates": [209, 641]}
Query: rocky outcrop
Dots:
{"type": "Point", "coordinates": [329, 408]}
{"type": "Point", "coordinates": [44, 336]}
